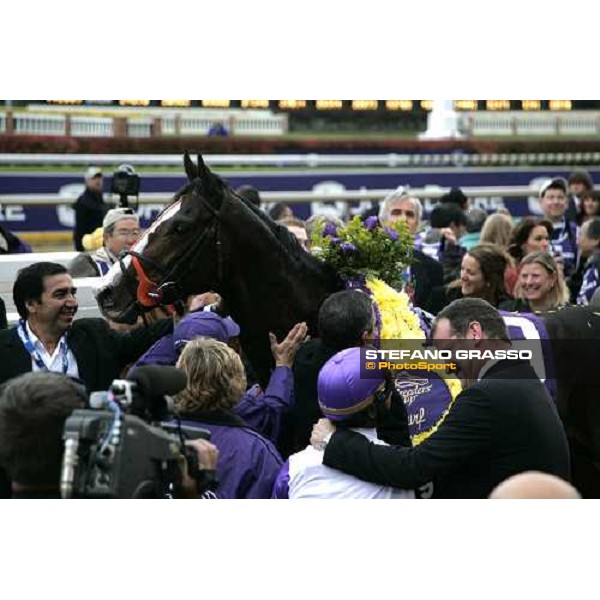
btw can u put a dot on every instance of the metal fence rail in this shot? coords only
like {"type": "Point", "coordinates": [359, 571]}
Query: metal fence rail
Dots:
{"type": "Point", "coordinates": [295, 197]}
{"type": "Point", "coordinates": [311, 160]}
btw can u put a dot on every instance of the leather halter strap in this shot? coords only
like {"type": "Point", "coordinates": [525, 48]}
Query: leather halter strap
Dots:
{"type": "Point", "coordinates": [150, 294]}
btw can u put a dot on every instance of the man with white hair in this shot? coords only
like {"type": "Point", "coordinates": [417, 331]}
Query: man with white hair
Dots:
{"type": "Point", "coordinates": [121, 230]}
{"type": "Point", "coordinates": [425, 277]}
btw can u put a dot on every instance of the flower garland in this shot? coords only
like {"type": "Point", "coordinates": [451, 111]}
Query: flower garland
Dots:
{"type": "Point", "coordinates": [370, 257]}
{"type": "Point", "coordinates": [455, 388]}
{"type": "Point", "coordinates": [399, 322]}
{"type": "Point", "coordinates": [366, 250]}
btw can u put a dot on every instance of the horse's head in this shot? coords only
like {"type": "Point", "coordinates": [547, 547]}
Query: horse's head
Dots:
{"type": "Point", "coordinates": [208, 238]}
{"type": "Point", "coordinates": [180, 254]}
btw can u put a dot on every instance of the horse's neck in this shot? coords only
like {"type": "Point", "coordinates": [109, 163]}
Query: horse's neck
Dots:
{"type": "Point", "coordinates": [274, 294]}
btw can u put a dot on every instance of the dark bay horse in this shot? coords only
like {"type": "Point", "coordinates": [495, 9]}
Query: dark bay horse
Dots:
{"type": "Point", "coordinates": [208, 238]}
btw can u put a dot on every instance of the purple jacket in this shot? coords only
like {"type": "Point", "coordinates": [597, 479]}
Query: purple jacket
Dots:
{"type": "Point", "coordinates": [248, 463]}
{"type": "Point", "coordinates": [591, 280]}
{"type": "Point", "coordinates": [264, 411]}
{"type": "Point", "coordinates": [160, 353]}
{"type": "Point", "coordinates": [563, 241]}
{"type": "Point", "coordinates": [260, 410]}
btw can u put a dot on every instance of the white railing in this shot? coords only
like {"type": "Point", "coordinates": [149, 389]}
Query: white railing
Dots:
{"type": "Point", "coordinates": [579, 125]}
{"type": "Point", "coordinates": [11, 263]}
{"type": "Point", "coordinates": [25, 123]}
{"type": "Point", "coordinates": [139, 127]}
{"type": "Point", "coordinates": [547, 123]}
{"type": "Point", "coordinates": [191, 122]}
{"type": "Point", "coordinates": [194, 125]}
{"type": "Point", "coordinates": [167, 125]}
{"type": "Point", "coordinates": [297, 197]}
{"type": "Point", "coordinates": [260, 125]}
{"type": "Point", "coordinates": [391, 160]}
{"type": "Point", "coordinates": [91, 126]}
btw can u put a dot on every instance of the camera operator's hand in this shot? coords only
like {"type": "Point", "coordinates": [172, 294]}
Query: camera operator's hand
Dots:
{"type": "Point", "coordinates": [284, 352]}
{"type": "Point", "coordinates": [207, 455]}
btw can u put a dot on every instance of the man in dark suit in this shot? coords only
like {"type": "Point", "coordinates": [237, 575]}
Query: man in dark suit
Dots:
{"type": "Point", "coordinates": [48, 338]}
{"type": "Point", "coordinates": [428, 278]}
{"type": "Point", "coordinates": [425, 276]}
{"type": "Point", "coordinates": [504, 424]}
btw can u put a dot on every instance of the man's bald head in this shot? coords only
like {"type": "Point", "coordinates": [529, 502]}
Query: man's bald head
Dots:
{"type": "Point", "coordinates": [534, 485]}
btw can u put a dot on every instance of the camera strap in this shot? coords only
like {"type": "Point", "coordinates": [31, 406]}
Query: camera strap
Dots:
{"type": "Point", "coordinates": [35, 355]}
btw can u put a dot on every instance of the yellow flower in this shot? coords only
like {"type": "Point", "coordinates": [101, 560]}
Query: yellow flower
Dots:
{"type": "Point", "coordinates": [399, 322]}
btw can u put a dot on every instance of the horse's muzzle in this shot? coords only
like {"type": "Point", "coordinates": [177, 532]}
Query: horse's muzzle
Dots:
{"type": "Point", "coordinates": [127, 314]}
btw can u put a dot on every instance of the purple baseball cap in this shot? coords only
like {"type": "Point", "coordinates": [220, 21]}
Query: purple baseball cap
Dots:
{"type": "Point", "coordinates": [203, 323]}
{"type": "Point", "coordinates": [340, 388]}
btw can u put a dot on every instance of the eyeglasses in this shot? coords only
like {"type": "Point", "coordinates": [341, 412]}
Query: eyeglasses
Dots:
{"type": "Point", "coordinates": [124, 233]}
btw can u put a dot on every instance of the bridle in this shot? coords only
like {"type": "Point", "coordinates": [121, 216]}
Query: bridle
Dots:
{"type": "Point", "coordinates": [168, 292]}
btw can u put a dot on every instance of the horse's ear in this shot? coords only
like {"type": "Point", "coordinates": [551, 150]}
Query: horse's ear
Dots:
{"type": "Point", "coordinates": [190, 168]}
{"type": "Point", "coordinates": [209, 181]}
{"type": "Point", "coordinates": [203, 171]}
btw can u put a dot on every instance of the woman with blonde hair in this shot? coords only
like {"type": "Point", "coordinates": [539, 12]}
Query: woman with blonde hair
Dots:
{"type": "Point", "coordinates": [541, 285]}
{"type": "Point", "coordinates": [248, 463]}
{"type": "Point", "coordinates": [497, 229]}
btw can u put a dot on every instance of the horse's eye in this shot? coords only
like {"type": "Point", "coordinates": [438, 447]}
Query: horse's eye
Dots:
{"type": "Point", "coordinates": [180, 228]}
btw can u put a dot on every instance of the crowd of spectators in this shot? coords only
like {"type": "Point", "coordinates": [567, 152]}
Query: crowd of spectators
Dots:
{"type": "Point", "coordinates": [318, 430]}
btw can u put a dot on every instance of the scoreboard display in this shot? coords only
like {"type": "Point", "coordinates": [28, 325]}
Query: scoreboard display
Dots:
{"type": "Point", "coordinates": [337, 106]}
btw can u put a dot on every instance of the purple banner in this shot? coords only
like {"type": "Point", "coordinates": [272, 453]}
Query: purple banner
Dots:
{"type": "Point", "coordinates": [58, 218]}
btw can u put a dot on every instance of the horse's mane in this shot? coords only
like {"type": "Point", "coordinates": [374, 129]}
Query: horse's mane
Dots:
{"type": "Point", "coordinates": [288, 244]}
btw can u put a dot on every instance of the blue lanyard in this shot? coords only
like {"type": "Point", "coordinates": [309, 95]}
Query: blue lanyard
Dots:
{"type": "Point", "coordinates": [22, 330]}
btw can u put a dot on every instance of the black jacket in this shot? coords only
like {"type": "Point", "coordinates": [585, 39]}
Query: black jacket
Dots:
{"type": "Point", "coordinates": [428, 277]}
{"type": "Point", "coordinates": [503, 425]}
{"type": "Point", "coordinates": [101, 352]}
{"type": "Point", "coordinates": [101, 355]}
{"type": "Point", "coordinates": [89, 213]}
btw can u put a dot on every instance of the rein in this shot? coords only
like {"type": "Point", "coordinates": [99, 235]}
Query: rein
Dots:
{"type": "Point", "coordinates": [167, 291]}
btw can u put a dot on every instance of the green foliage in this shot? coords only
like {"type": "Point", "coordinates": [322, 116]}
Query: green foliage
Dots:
{"type": "Point", "coordinates": [365, 249]}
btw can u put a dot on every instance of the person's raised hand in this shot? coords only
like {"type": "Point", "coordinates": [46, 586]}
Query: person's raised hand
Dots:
{"type": "Point", "coordinates": [202, 300]}
{"type": "Point", "coordinates": [285, 352]}
{"type": "Point", "coordinates": [448, 234]}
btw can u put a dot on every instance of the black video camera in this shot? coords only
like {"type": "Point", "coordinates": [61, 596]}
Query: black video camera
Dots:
{"type": "Point", "coordinates": [116, 451]}
{"type": "Point", "coordinates": [125, 182]}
